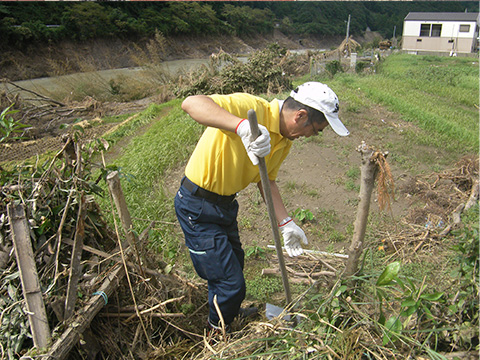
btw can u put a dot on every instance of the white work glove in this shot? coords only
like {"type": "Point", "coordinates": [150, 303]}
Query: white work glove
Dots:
{"type": "Point", "coordinates": [258, 148]}
{"type": "Point", "coordinates": [292, 235]}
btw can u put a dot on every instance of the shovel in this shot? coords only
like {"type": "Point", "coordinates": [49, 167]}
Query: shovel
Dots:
{"type": "Point", "coordinates": [252, 119]}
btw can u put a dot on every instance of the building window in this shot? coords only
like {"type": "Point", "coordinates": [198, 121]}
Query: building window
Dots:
{"type": "Point", "coordinates": [465, 28]}
{"type": "Point", "coordinates": [425, 30]}
{"type": "Point", "coordinates": [436, 30]}
{"type": "Point", "coordinates": [433, 30]}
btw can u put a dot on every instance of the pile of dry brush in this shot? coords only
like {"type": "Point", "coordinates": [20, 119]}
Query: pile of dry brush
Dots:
{"type": "Point", "coordinates": [142, 310]}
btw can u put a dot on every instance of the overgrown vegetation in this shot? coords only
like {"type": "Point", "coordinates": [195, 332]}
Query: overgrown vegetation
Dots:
{"type": "Point", "coordinates": [26, 23]}
{"type": "Point", "coordinates": [10, 128]}
{"type": "Point", "coordinates": [266, 71]}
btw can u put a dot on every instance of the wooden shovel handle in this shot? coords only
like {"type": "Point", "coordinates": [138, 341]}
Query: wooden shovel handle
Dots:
{"type": "Point", "coordinates": [252, 119]}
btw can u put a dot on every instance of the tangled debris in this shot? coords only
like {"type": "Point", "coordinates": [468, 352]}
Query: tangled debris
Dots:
{"type": "Point", "coordinates": [52, 195]}
{"type": "Point", "coordinates": [444, 196]}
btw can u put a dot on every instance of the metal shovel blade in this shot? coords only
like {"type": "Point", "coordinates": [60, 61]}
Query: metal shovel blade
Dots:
{"type": "Point", "coordinates": [273, 311]}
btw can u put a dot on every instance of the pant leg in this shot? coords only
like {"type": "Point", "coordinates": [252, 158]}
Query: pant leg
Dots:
{"type": "Point", "coordinates": [211, 235]}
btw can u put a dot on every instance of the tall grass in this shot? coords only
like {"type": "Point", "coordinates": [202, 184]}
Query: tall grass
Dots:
{"type": "Point", "coordinates": [439, 94]}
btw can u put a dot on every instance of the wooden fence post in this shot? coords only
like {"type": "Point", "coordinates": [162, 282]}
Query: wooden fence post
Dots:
{"type": "Point", "coordinates": [32, 292]}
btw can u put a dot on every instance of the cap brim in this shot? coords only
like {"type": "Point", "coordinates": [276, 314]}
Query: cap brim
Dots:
{"type": "Point", "coordinates": [337, 125]}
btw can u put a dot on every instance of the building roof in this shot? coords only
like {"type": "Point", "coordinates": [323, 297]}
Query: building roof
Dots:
{"type": "Point", "coordinates": [441, 16]}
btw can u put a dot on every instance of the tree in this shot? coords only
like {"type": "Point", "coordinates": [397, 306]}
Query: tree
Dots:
{"type": "Point", "coordinates": [87, 20]}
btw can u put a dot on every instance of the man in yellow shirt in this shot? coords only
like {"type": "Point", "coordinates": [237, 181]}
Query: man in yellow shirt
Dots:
{"type": "Point", "coordinates": [224, 163]}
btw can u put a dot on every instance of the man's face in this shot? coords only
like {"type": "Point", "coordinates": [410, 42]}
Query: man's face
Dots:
{"type": "Point", "coordinates": [298, 126]}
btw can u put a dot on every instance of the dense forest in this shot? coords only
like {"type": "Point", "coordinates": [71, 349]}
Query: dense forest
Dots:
{"type": "Point", "coordinates": [23, 23]}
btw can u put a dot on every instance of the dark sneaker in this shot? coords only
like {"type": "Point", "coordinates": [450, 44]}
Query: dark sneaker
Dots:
{"type": "Point", "coordinates": [216, 334]}
{"type": "Point", "coordinates": [248, 313]}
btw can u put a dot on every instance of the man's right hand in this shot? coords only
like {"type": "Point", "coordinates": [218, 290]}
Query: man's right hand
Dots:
{"type": "Point", "coordinates": [260, 147]}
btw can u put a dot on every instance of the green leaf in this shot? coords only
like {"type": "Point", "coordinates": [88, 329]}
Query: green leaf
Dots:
{"type": "Point", "coordinates": [341, 290]}
{"type": "Point", "coordinates": [381, 318]}
{"type": "Point", "coordinates": [393, 326]}
{"type": "Point", "coordinates": [410, 310]}
{"type": "Point", "coordinates": [432, 297]}
{"type": "Point", "coordinates": [408, 302]}
{"type": "Point", "coordinates": [390, 272]}
{"type": "Point", "coordinates": [428, 312]}
{"type": "Point", "coordinates": [78, 128]}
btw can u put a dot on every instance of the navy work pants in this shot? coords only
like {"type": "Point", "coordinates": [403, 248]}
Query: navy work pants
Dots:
{"type": "Point", "coordinates": [211, 235]}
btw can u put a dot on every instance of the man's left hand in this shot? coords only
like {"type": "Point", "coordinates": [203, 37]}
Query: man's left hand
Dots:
{"type": "Point", "coordinates": [292, 236]}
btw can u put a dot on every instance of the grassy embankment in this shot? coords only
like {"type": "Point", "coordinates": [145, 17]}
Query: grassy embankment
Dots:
{"type": "Point", "coordinates": [438, 95]}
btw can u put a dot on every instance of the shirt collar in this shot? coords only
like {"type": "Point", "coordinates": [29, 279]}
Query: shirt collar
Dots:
{"type": "Point", "coordinates": [280, 105]}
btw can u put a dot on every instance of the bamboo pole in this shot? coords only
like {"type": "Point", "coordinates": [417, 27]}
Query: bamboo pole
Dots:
{"type": "Point", "coordinates": [37, 315]}
{"type": "Point", "coordinates": [369, 170]}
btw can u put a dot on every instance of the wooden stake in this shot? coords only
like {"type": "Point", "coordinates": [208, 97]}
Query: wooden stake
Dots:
{"type": "Point", "coordinates": [71, 335]}
{"type": "Point", "coordinates": [32, 293]}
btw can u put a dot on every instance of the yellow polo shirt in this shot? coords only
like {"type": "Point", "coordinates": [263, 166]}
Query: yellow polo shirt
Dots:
{"type": "Point", "coordinates": [220, 162]}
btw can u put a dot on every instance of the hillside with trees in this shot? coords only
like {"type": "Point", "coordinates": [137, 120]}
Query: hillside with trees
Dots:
{"type": "Point", "coordinates": [27, 23]}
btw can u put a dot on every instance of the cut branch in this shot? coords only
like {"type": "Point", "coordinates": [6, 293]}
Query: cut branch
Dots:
{"type": "Point", "coordinates": [75, 266]}
{"type": "Point", "coordinates": [71, 335]}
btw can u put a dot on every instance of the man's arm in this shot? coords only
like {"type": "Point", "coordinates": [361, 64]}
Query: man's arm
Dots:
{"type": "Point", "coordinates": [280, 210]}
{"type": "Point", "coordinates": [205, 111]}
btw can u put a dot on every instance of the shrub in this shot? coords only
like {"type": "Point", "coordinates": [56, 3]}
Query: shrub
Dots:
{"type": "Point", "coordinates": [266, 71]}
{"type": "Point", "coordinates": [333, 67]}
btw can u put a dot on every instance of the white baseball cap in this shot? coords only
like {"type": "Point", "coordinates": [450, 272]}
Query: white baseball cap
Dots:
{"type": "Point", "coordinates": [320, 97]}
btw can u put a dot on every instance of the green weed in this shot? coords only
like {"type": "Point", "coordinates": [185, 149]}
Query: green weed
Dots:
{"type": "Point", "coordinates": [303, 215]}
{"type": "Point", "coordinates": [351, 185]}
{"type": "Point", "coordinates": [262, 288]}
{"type": "Point", "coordinates": [291, 185]}
{"type": "Point", "coordinates": [353, 173]}
{"type": "Point", "coordinates": [167, 142]}
{"type": "Point", "coordinates": [425, 94]}
{"type": "Point", "coordinates": [9, 127]}
{"type": "Point", "coordinates": [255, 252]}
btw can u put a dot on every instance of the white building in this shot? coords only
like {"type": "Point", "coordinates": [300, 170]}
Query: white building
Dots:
{"type": "Point", "coordinates": [440, 33]}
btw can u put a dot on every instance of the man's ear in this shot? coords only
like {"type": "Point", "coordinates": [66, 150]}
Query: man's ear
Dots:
{"type": "Point", "coordinates": [300, 115]}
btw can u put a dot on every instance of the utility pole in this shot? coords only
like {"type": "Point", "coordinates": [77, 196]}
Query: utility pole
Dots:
{"type": "Point", "coordinates": [394, 40]}
{"type": "Point", "coordinates": [348, 27]}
